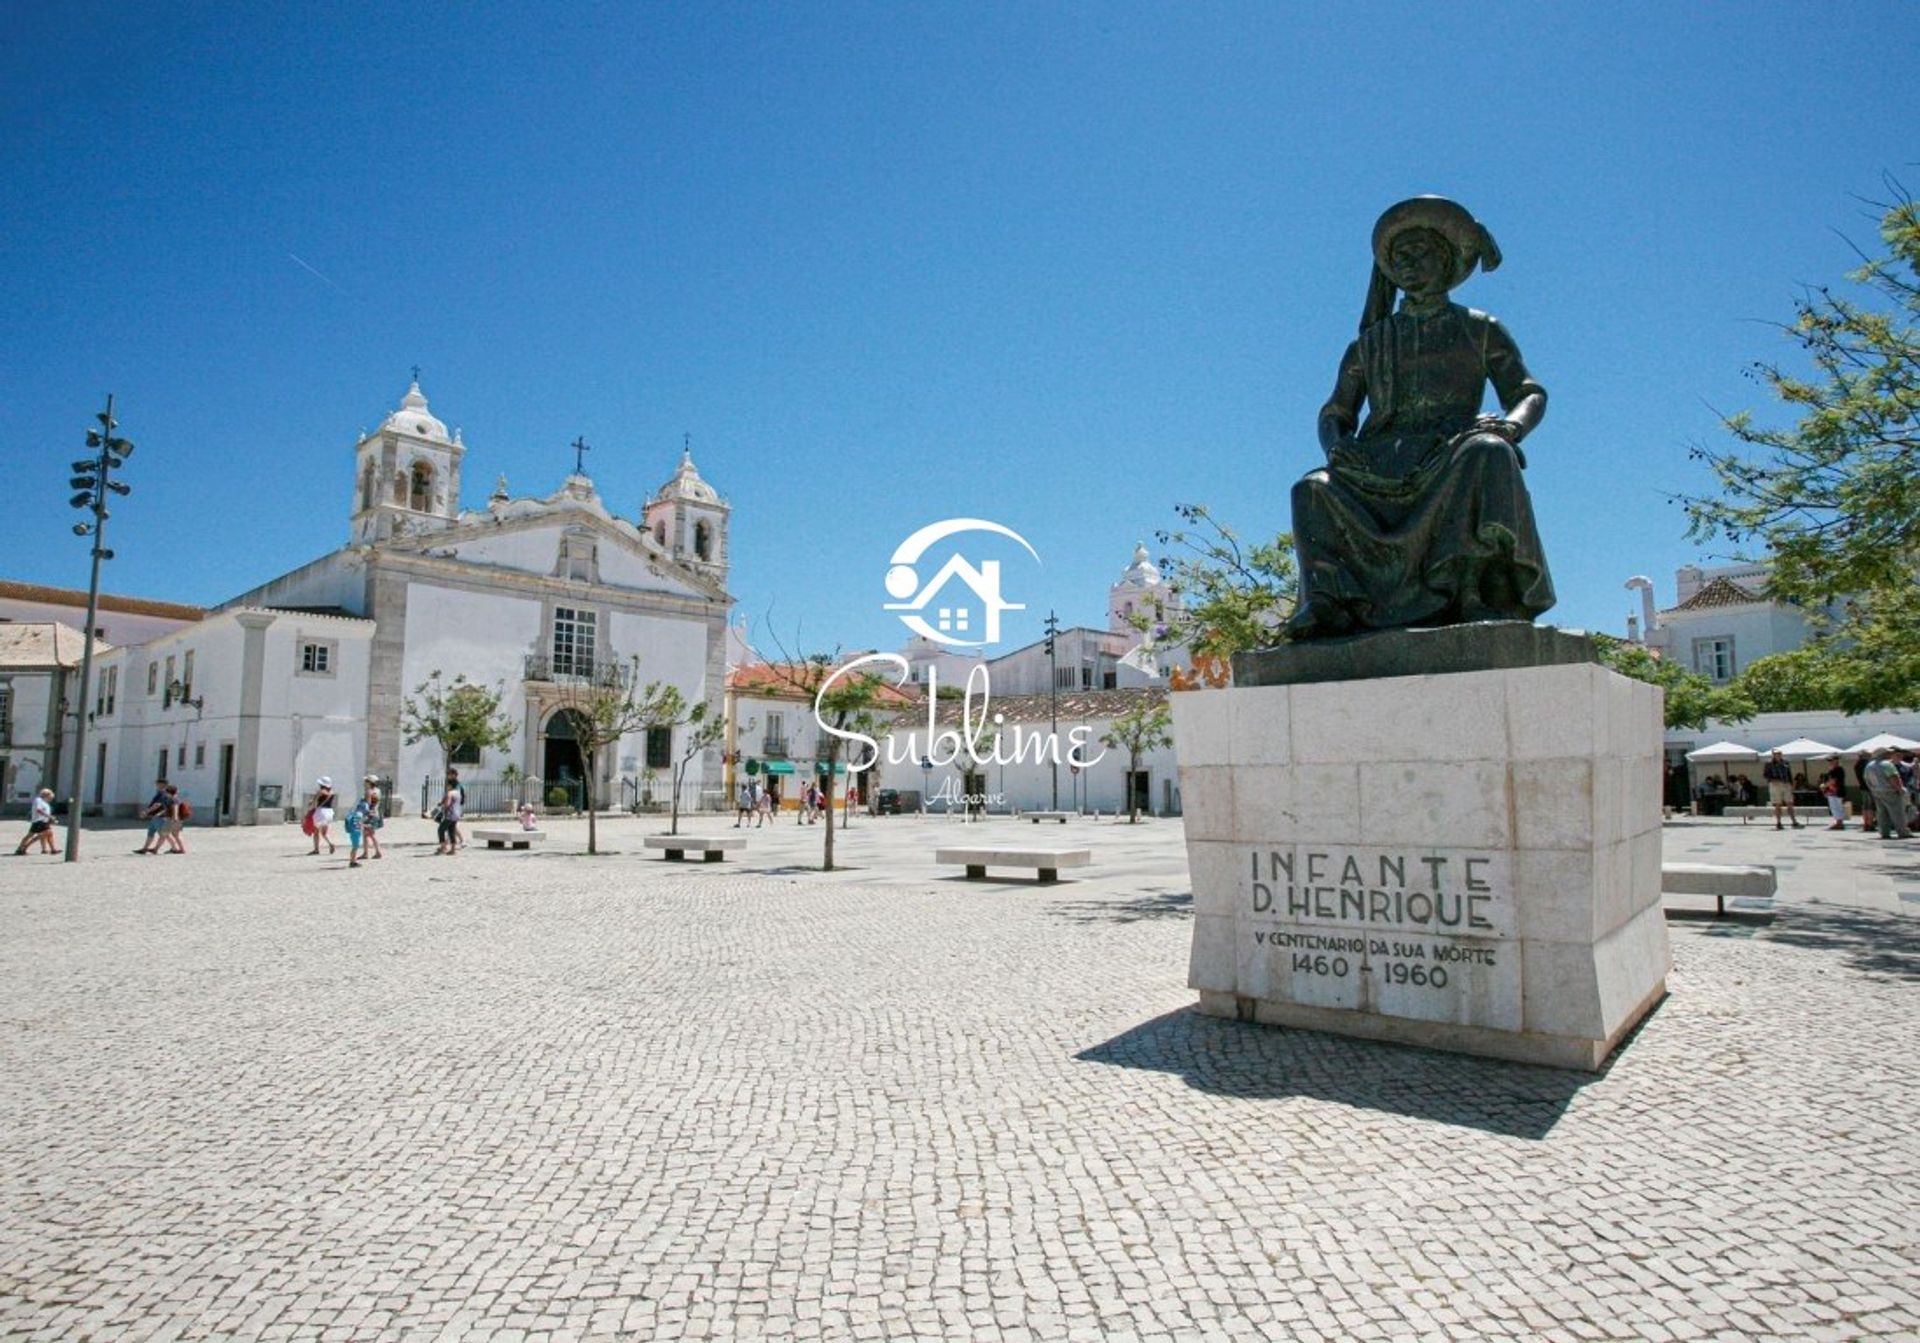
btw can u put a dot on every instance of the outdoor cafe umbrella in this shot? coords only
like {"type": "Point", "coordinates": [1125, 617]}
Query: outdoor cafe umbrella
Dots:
{"type": "Point", "coordinates": [1885, 741]}
{"type": "Point", "coordinates": [1806, 748]}
{"type": "Point", "coordinates": [1723, 754]}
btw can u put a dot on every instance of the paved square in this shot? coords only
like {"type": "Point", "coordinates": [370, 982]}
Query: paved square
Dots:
{"type": "Point", "coordinates": [248, 1094]}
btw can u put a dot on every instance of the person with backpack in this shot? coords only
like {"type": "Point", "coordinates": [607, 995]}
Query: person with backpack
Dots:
{"type": "Point", "coordinates": [361, 822]}
{"type": "Point", "coordinates": [320, 813]}
{"type": "Point", "coordinates": [155, 816]}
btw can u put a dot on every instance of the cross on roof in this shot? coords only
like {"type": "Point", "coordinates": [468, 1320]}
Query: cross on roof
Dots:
{"type": "Point", "coordinates": [416, 373]}
{"type": "Point", "coordinates": [580, 449]}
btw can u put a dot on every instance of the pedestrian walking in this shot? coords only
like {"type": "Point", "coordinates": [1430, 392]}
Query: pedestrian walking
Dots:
{"type": "Point", "coordinates": [1833, 785]}
{"type": "Point", "coordinates": [453, 781]}
{"type": "Point", "coordinates": [155, 816]}
{"type": "Point", "coordinates": [178, 812]}
{"type": "Point", "coordinates": [39, 824]}
{"type": "Point", "coordinates": [448, 815]}
{"type": "Point", "coordinates": [1779, 776]}
{"type": "Point", "coordinates": [742, 803]}
{"type": "Point", "coordinates": [1889, 795]}
{"type": "Point", "coordinates": [370, 827]}
{"type": "Point", "coordinates": [320, 814]}
{"type": "Point", "coordinates": [1866, 793]}
{"type": "Point", "coordinates": [359, 823]}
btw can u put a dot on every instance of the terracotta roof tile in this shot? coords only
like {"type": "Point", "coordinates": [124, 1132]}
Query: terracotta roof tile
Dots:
{"type": "Point", "coordinates": [133, 606]}
{"type": "Point", "coordinates": [43, 643]}
{"type": "Point", "coordinates": [1720, 592]}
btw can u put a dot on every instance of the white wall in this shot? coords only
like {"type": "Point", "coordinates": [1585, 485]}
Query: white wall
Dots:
{"type": "Point", "coordinates": [338, 579]}
{"type": "Point", "coordinates": [115, 627]}
{"type": "Point", "coordinates": [484, 636]}
{"type": "Point", "coordinates": [1028, 786]}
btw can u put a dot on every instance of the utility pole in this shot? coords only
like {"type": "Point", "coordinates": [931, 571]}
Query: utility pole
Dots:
{"type": "Point", "coordinates": [93, 479]}
{"type": "Point", "coordinates": [1053, 688]}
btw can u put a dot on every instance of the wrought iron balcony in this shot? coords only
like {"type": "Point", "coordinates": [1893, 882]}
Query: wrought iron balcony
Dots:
{"type": "Point", "coordinates": [773, 748]}
{"type": "Point", "coordinates": [600, 672]}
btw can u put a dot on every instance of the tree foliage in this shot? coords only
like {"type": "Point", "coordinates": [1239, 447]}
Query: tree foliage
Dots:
{"type": "Point", "coordinates": [1834, 499]}
{"type": "Point", "coordinates": [456, 714]}
{"type": "Point", "coordinates": [1691, 699]}
{"type": "Point", "coordinates": [703, 730]}
{"type": "Point", "coordinates": [1147, 726]}
{"type": "Point", "coordinates": [1234, 595]}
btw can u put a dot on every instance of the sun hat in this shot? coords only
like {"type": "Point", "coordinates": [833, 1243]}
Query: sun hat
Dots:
{"type": "Point", "coordinates": [325, 782]}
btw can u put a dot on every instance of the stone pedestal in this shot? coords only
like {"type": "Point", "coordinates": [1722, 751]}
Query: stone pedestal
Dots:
{"type": "Point", "coordinates": [1465, 861]}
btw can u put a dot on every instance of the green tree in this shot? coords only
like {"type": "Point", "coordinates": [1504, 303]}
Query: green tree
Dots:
{"type": "Point", "coordinates": [456, 714]}
{"type": "Point", "coordinates": [1691, 699]}
{"type": "Point", "coordinates": [1868, 660]}
{"type": "Point", "coordinates": [605, 707]}
{"type": "Point", "coordinates": [1147, 726]}
{"type": "Point", "coordinates": [1234, 595]}
{"type": "Point", "coordinates": [1832, 501]}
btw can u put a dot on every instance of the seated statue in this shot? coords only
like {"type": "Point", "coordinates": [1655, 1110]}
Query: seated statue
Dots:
{"type": "Point", "coordinates": [1420, 516]}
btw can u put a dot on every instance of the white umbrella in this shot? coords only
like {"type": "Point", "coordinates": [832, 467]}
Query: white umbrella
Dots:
{"type": "Point", "coordinates": [1722, 750]}
{"type": "Point", "coordinates": [1885, 741]}
{"type": "Point", "coordinates": [1806, 748]}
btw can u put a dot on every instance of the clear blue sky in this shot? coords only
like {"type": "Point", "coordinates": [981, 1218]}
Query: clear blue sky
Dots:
{"type": "Point", "coordinates": [1062, 266]}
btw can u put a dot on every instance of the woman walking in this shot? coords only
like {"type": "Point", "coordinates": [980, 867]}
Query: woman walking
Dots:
{"type": "Point", "coordinates": [449, 812]}
{"type": "Point", "coordinates": [178, 810]}
{"type": "Point", "coordinates": [1833, 786]}
{"type": "Point", "coordinates": [370, 826]}
{"type": "Point", "coordinates": [39, 824]}
{"type": "Point", "coordinates": [321, 809]}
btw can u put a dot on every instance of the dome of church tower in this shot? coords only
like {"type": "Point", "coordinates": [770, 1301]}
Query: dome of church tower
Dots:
{"type": "Point", "coordinates": [687, 484]}
{"type": "Point", "coordinates": [1142, 573]}
{"type": "Point", "coordinates": [413, 417]}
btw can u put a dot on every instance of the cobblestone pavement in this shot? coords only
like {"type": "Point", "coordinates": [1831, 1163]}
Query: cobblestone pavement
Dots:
{"type": "Point", "coordinates": [247, 1094]}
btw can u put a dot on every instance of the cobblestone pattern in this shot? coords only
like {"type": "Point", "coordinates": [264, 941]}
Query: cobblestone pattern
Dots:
{"type": "Point", "coordinates": [568, 1099]}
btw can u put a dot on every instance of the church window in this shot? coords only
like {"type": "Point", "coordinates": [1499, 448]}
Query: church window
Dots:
{"type": "Point", "coordinates": [659, 748]}
{"type": "Point", "coordinates": [573, 641]}
{"type": "Point", "coordinates": [153, 677]}
{"type": "Point", "coordinates": [420, 495]}
{"type": "Point", "coordinates": [702, 541]}
{"type": "Point", "coordinates": [366, 487]}
{"type": "Point", "coordinates": [316, 657]}
{"type": "Point", "coordinates": [660, 534]}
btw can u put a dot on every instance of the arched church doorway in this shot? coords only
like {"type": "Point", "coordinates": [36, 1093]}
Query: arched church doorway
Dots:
{"type": "Point", "coordinates": [560, 759]}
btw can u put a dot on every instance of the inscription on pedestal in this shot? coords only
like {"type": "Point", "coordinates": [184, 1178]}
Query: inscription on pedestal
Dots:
{"type": "Point", "coordinates": [1426, 934]}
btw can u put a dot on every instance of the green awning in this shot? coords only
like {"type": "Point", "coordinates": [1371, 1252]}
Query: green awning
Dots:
{"type": "Point", "coordinates": [778, 767]}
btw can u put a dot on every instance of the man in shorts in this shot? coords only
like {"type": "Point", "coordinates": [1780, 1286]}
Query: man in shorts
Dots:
{"type": "Point", "coordinates": [1779, 776]}
{"type": "Point", "coordinates": [39, 824]}
{"type": "Point", "coordinates": [156, 816]}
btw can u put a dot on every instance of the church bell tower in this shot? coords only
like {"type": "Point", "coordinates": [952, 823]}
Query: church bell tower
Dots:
{"type": "Point", "coordinates": [406, 473]}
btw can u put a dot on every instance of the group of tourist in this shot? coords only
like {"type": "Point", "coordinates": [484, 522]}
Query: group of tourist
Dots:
{"type": "Point", "coordinates": [1885, 782]}
{"type": "Point", "coordinates": [362, 821]}
{"type": "Point", "coordinates": [759, 803]}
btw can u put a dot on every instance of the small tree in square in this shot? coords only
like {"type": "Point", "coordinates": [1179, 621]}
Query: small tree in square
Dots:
{"type": "Point", "coordinates": [605, 707]}
{"type": "Point", "coordinates": [1147, 726]}
{"type": "Point", "coordinates": [704, 729]}
{"type": "Point", "coordinates": [842, 702]}
{"type": "Point", "coordinates": [456, 714]}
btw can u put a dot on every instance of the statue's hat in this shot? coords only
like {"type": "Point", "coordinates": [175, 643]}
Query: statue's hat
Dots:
{"type": "Point", "coordinates": [1471, 242]}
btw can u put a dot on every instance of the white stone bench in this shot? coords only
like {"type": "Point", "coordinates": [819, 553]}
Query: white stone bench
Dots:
{"type": "Point", "coordinates": [1802, 813]}
{"type": "Point", "coordinates": [1038, 816]}
{"type": "Point", "coordinates": [1756, 882]}
{"type": "Point", "coordinates": [1047, 862]}
{"type": "Point", "coordinates": [514, 838]}
{"type": "Point", "coordinates": [678, 847]}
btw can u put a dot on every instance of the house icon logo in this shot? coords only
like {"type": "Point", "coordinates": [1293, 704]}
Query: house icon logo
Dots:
{"type": "Point", "coordinates": [963, 599]}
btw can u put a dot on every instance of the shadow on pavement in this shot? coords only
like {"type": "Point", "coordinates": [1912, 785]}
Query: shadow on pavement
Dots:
{"type": "Point", "coordinates": [1248, 1062]}
{"type": "Point", "coordinates": [1130, 909]}
{"type": "Point", "coordinates": [1866, 940]}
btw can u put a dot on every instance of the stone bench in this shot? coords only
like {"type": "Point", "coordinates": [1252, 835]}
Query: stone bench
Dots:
{"type": "Point", "coordinates": [678, 847]}
{"type": "Point", "coordinates": [1038, 816]}
{"type": "Point", "coordinates": [1757, 882]}
{"type": "Point", "coordinates": [1801, 813]}
{"type": "Point", "coordinates": [1046, 862]}
{"type": "Point", "coordinates": [514, 838]}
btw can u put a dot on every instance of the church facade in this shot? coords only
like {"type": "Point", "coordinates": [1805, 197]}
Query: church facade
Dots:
{"type": "Point", "coordinates": [533, 596]}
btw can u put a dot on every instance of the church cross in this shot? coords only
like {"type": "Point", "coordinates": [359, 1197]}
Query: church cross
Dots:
{"type": "Point", "coordinates": [416, 373]}
{"type": "Point", "coordinates": [580, 449]}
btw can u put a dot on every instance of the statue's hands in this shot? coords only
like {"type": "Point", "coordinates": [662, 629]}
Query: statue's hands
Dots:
{"type": "Point", "coordinates": [1500, 425]}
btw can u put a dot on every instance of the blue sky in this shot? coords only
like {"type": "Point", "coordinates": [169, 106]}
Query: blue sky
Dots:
{"type": "Point", "coordinates": [1062, 266]}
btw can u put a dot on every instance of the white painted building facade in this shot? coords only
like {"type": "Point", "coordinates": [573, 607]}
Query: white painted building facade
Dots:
{"type": "Point", "coordinates": [1721, 621]}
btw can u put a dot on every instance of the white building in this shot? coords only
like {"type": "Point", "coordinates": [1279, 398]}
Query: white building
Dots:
{"type": "Point", "coordinates": [39, 680]}
{"type": "Point", "coordinates": [1026, 783]}
{"type": "Point", "coordinates": [307, 674]}
{"type": "Point", "coordinates": [1721, 621]}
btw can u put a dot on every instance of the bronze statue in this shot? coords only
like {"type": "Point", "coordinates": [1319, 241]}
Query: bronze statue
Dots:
{"type": "Point", "coordinates": [1421, 518]}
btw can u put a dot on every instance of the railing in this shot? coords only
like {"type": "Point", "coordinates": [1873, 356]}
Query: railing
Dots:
{"type": "Point", "coordinates": [542, 667]}
{"type": "Point", "coordinates": [774, 748]}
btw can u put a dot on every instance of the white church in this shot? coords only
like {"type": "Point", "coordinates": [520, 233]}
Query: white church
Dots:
{"type": "Point", "coordinates": [306, 674]}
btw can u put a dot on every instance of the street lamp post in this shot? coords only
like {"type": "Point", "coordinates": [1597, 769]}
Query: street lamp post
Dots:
{"type": "Point", "coordinates": [93, 481]}
{"type": "Point", "coordinates": [1053, 688]}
